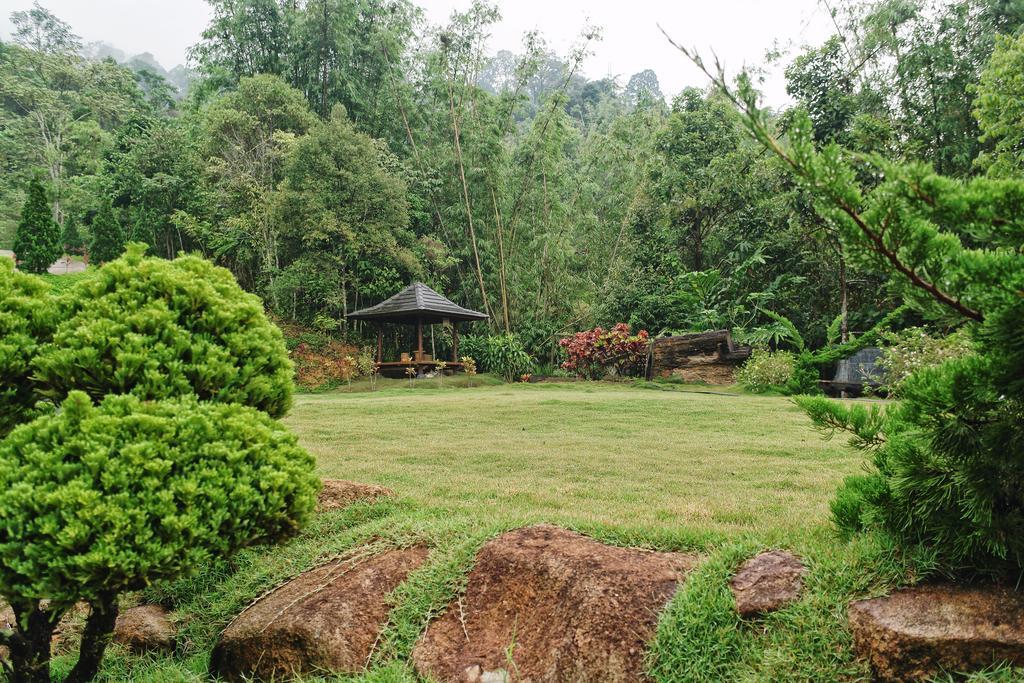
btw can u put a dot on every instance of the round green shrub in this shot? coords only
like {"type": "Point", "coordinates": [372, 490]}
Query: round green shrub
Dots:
{"type": "Point", "coordinates": [157, 329]}
{"type": "Point", "coordinates": [110, 498]}
{"type": "Point", "coordinates": [767, 371]}
{"type": "Point", "coordinates": [28, 317]}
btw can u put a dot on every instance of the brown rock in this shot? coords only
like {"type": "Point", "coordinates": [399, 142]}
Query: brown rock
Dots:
{"type": "Point", "coordinates": [547, 604]}
{"type": "Point", "coordinates": [339, 493]}
{"type": "Point", "coordinates": [328, 618]}
{"type": "Point", "coordinates": [144, 629]}
{"type": "Point", "coordinates": [767, 582]}
{"type": "Point", "coordinates": [914, 633]}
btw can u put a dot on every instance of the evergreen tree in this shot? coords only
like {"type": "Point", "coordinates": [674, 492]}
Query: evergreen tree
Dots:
{"type": "Point", "coordinates": [72, 238]}
{"type": "Point", "coordinates": [37, 242]}
{"type": "Point", "coordinates": [107, 236]}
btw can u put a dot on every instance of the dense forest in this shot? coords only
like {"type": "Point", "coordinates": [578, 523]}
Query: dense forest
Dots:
{"type": "Point", "coordinates": [328, 152]}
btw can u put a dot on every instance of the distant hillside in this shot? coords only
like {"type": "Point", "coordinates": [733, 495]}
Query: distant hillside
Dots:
{"type": "Point", "coordinates": [180, 77]}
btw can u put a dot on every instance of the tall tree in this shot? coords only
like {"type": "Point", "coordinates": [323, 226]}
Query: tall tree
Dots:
{"type": "Point", "coordinates": [108, 238]}
{"type": "Point", "coordinates": [37, 243]}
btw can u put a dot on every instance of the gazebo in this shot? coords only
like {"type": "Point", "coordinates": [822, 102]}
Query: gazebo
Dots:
{"type": "Point", "coordinates": [417, 305]}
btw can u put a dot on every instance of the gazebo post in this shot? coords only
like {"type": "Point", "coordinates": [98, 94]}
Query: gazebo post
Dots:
{"type": "Point", "coordinates": [419, 339]}
{"type": "Point", "coordinates": [380, 343]}
{"type": "Point", "coordinates": [455, 342]}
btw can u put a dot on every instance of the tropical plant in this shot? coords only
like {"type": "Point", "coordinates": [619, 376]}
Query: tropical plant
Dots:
{"type": "Point", "coordinates": [182, 482]}
{"type": "Point", "coordinates": [598, 352]}
{"type": "Point", "coordinates": [37, 243]}
{"type": "Point", "coordinates": [502, 354]}
{"type": "Point", "coordinates": [469, 367]}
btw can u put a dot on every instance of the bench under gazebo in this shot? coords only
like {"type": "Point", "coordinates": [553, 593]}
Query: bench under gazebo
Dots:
{"type": "Point", "coordinates": [417, 305]}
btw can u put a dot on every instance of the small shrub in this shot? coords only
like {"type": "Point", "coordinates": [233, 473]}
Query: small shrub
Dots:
{"type": "Point", "coordinates": [595, 353]}
{"type": "Point", "coordinates": [104, 499]}
{"type": "Point", "coordinates": [914, 348]}
{"type": "Point", "coordinates": [501, 354]}
{"type": "Point", "coordinates": [767, 371]}
{"type": "Point", "coordinates": [157, 329]}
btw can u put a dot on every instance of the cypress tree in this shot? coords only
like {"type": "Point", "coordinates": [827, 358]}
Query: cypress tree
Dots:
{"type": "Point", "coordinates": [107, 235]}
{"type": "Point", "coordinates": [72, 238]}
{"type": "Point", "coordinates": [37, 243]}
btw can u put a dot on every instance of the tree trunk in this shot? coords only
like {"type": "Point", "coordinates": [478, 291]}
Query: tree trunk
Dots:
{"type": "Point", "coordinates": [30, 647]}
{"type": "Point", "coordinates": [99, 628]}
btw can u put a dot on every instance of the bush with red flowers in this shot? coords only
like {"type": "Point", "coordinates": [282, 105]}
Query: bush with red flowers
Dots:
{"type": "Point", "coordinates": [595, 353]}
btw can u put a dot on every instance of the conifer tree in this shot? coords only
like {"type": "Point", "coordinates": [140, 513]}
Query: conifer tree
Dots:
{"type": "Point", "coordinates": [37, 243]}
{"type": "Point", "coordinates": [72, 237]}
{"type": "Point", "coordinates": [108, 238]}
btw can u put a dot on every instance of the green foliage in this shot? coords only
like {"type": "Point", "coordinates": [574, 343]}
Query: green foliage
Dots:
{"type": "Point", "coordinates": [28, 317]}
{"type": "Point", "coordinates": [37, 243]}
{"type": "Point", "coordinates": [766, 371]}
{"type": "Point", "coordinates": [71, 237]}
{"type": "Point", "coordinates": [158, 329]}
{"type": "Point", "coordinates": [999, 107]}
{"type": "Point", "coordinates": [855, 502]}
{"type": "Point", "coordinates": [501, 354]}
{"type": "Point", "coordinates": [912, 349]}
{"type": "Point", "coordinates": [950, 453]}
{"type": "Point", "coordinates": [108, 238]}
{"type": "Point", "coordinates": [110, 498]}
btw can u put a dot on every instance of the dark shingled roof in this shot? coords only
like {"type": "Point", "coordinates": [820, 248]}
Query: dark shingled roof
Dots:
{"type": "Point", "coordinates": [417, 301]}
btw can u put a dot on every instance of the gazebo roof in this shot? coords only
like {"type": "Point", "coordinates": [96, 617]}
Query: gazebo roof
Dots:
{"type": "Point", "coordinates": [416, 302]}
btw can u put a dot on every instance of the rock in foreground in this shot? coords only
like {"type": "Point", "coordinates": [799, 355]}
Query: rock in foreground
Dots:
{"type": "Point", "coordinates": [340, 493]}
{"type": "Point", "coordinates": [914, 633]}
{"type": "Point", "coordinates": [548, 604]}
{"type": "Point", "coordinates": [767, 582]}
{"type": "Point", "coordinates": [325, 620]}
{"type": "Point", "coordinates": [145, 629]}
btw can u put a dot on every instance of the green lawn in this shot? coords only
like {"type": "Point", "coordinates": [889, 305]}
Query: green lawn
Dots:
{"type": "Point", "coordinates": [673, 468]}
{"type": "Point", "coordinates": [583, 454]}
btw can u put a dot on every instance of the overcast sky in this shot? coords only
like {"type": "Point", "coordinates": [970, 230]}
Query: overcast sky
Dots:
{"type": "Point", "coordinates": [739, 31]}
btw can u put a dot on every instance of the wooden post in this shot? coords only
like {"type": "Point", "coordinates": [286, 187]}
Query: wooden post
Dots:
{"type": "Point", "coordinates": [455, 342]}
{"type": "Point", "coordinates": [419, 339]}
{"type": "Point", "coordinates": [380, 343]}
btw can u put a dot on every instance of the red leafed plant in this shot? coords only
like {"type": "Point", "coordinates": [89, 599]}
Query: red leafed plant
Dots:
{"type": "Point", "coordinates": [595, 353]}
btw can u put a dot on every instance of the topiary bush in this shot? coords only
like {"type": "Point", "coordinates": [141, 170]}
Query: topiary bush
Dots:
{"type": "Point", "coordinates": [104, 499]}
{"type": "Point", "coordinates": [157, 329]}
{"type": "Point", "coordinates": [767, 371]}
{"type": "Point", "coordinates": [28, 317]}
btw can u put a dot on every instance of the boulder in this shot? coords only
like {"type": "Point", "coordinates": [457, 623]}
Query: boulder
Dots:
{"type": "Point", "coordinates": [914, 633]}
{"type": "Point", "coordinates": [547, 604]}
{"type": "Point", "coordinates": [145, 629]}
{"type": "Point", "coordinates": [767, 582]}
{"type": "Point", "coordinates": [327, 619]}
{"type": "Point", "coordinates": [339, 493]}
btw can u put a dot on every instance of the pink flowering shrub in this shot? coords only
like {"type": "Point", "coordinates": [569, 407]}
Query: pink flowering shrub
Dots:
{"type": "Point", "coordinates": [598, 352]}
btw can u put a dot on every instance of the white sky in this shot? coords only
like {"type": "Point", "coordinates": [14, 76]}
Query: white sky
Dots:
{"type": "Point", "coordinates": [739, 31]}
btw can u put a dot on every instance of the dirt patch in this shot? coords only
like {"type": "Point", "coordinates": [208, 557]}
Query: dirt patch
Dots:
{"type": "Point", "coordinates": [327, 619]}
{"type": "Point", "coordinates": [915, 633]}
{"type": "Point", "coordinates": [340, 493]}
{"type": "Point", "coordinates": [547, 604]}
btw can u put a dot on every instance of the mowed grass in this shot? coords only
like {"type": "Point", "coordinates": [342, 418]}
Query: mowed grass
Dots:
{"type": "Point", "coordinates": [583, 454]}
{"type": "Point", "coordinates": [722, 474]}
